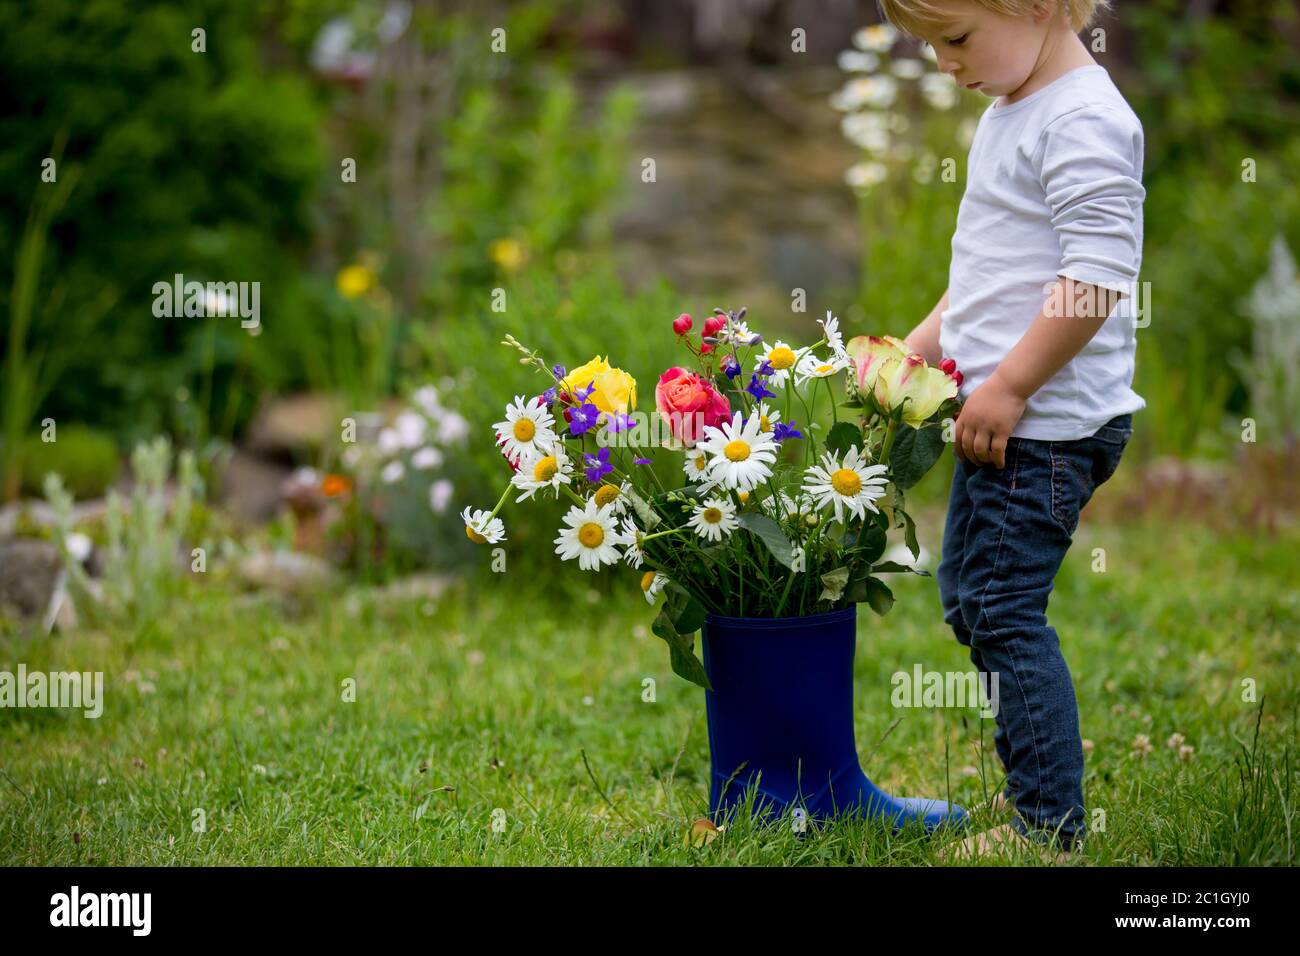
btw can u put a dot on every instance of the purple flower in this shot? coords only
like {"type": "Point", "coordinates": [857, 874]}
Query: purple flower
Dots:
{"type": "Point", "coordinates": [583, 394]}
{"type": "Point", "coordinates": [643, 461]}
{"type": "Point", "coordinates": [731, 366]}
{"type": "Point", "coordinates": [755, 388]}
{"type": "Point", "coordinates": [558, 371]}
{"type": "Point", "coordinates": [618, 422]}
{"type": "Point", "coordinates": [549, 396]}
{"type": "Point", "coordinates": [782, 431]}
{"type": "Point", "coordinates": [583, 418]}
{"type": "Point", "coordinates": [599, 463]}
{"type": "Point", "coordinates": [766, 368]}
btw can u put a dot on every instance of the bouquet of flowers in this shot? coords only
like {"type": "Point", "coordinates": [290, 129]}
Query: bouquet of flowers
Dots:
{"type": "Point", "coordinates": [774, 514]}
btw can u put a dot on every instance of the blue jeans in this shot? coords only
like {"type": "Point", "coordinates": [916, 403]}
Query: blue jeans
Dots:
{"type": "Point", "coordinates": [1006, 534]}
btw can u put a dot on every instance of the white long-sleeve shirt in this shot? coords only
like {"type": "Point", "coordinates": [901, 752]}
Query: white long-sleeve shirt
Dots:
{"type": "Point", "coordinates": [1054, 188]}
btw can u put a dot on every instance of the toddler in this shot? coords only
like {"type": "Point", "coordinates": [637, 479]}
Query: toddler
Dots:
{"type": "Point", "coordinates": [1038, 316]}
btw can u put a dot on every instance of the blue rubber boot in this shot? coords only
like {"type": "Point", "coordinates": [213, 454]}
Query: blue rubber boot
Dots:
{"type": "Point", "coordinates": [782, 706]}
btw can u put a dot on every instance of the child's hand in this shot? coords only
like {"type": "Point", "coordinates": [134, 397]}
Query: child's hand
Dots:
{"type": "Point", "coordinates": [985, 422]}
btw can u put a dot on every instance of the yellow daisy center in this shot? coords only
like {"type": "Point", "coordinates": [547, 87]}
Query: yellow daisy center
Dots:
{"type": "Point", "coordinates": [701, 463]}
{"type": "Point", "coordinates": [712, 515]}
{"type": "Point", "coordinates": [524, 429]}
{"type": "Point", "coordinates": [763, 424]}
{"type": "Point", "coordinates": [546, 469]}
{"type": "Point", "coordinates": [647, 579]}
{"type": "Point", "coordinates": [605, 494]}
{"type": "Point", "coordinates": [825, 369]}
{"type": "Point", "coordinates": [744, 496]}
{"type": "Point", "coordinates": [591, 534]}
{"type": "Point", "coordinates": [736, 450]}
{"type": "Point", "coordinates": [474, 535]}
{"type": "Point", "coordinates": [780, 357]}
{"type": "Point", "coordinates": [846, 482]}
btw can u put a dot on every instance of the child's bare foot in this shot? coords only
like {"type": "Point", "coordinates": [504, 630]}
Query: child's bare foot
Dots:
{"type": "Point", "coordinates": [1004, 840]}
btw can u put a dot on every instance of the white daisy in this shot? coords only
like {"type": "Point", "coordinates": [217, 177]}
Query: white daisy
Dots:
{"type": "Point", "coordinates": [782, 358]}
{"type": "Point", "coordinates": [482, 528]}
{"type": "Point", "coordinates": [652, 582]}
{"type": "Point", "coordinates": [740, 455]}
{"type": "Point", "coordinates": [783, 507]}
{"type": "Point", "coordinates": [851, 484]}
{"type": "Point", "coordinates": [543, 471]}
{"type": "Point", "coordinates": [527, 428]}
{"type": "Point", "coordinates": [633, 554]}
{"type": "Point", "coordinates": [615, 495]}
{"type": "Point", "coordinates": [696, 468]}
{"type": "Point", "coordinates": [813, 366]}
{"type": "Point", "coordinates": [831, 326]}
{"type": "Point", "coordinates": [735, 332]}
{"type": "Point", "coordinates": [591, 536]}
{"type": "Point", "coordinates": [713, 518]}
{"type": "Point", "coordinates": [410, 427]}
{"type": "Point", "coordinates": [440, 495]}
{"type": "Point", "coordinates": [767, 417]}
{"type": "Point", "coordinates": [392, 472]}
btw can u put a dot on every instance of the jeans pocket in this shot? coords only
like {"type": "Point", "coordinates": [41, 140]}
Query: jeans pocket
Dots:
{"type": "Point", "coordinates": [1072, 481]}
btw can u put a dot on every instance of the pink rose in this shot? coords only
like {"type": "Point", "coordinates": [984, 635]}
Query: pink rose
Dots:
{"type": "Point", "coordinates": [688, 403]}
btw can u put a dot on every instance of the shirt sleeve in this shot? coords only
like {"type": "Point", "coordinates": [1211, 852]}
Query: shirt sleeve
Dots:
{"type": "Point", "coordinates": [1091, 171]}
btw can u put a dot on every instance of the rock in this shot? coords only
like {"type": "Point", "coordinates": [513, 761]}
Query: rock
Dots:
{"type": "Point", "coordinates": [294, 427]}
{"type": "Point", "coordinates": [250, 486]}
{"type": "Point", "coordinates": [30, 573]}
{"type": "Point", "coordinates": [287, 572]}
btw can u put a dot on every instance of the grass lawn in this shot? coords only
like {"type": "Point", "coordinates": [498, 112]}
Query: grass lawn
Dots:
{"type": "Point", "coordinates": [230, 712]}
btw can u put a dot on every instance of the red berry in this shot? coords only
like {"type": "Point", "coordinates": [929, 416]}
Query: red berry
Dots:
{"type": "Point", "coordinates": [947, 365]}
{"type": "Point", "coordinates": [714, 324]}
{"type": "Point", "coordinates": [682, 324]}
{"type": "Point", "coordinates": [706, 348]}
{"type": "Point", "coordinates": [958, 377]}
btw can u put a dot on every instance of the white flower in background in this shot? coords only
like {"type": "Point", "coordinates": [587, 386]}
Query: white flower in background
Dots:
{"type": "Point", "coordinates": [351, 456]}
{"type": "Point", "coordinates": [538, 471]}
{"type": "Point", "coordinates": [591, 536]}
{"type": "Point", "coordinates": [452, 428]}
{"type": "Point", "coordinates": [855, 61]}
{"type": "Point", "coordinates": [426, 458]}
{"type": "Point", "coordinates": [876, 39]}
{"type": "Point", "coordinates": [939, 90]}
{"type": "Point", "coordinates": [927, 51]}
{"type": "Point", "coordinates": [901, 554]}
{"type": "Point", "coordinates": [713, 518]}
{"type": "Point", "coordinates": [869, 131]}
{"type": "Point", "coordinates": [528, 428]}
{"type": "Point", "coordinates": [392, 472]}
{"type": "Point", "coordinates": [740, 456]}
{"type": "Point", "coordinates": [782, 358]}
{"type": "Point", "coordinates": [652, 582]}
{"type": "Point", "coordinates": [850, 483]}
{"type": "Point", "coordinates": [901, 153]}
{"type": "Point", "coordinates": [427, 398]}
{"type": "Point", "coordinates": [735, 332]}
{"type": "Point", "coordinates": [389, 442]}
{"type": "Point", "coordinates": [898, 123]}
{"type": "Point", "coordinates": [813, 366]}
{"type": "Point", "coordinates": [767, 417]}
{"type": "Point", "coordinates": [440, 495]}
{"type": "Point", "coordinates": [831, 331]}
{"type": "Point", "coordinates": [482, 528]}
{"type": "Point", "coordinates": [863, 176]}
{"type": "Point", "coordinates": [923, 171]}
{"type": "Point", "coordinates": [632, 554]}
{"type": "Point", "coordinates": [907, 68]}
{"type": "Point", "coordinates": [411, 427]}
{"type": "Point", "coordinates": [966, 132]}
{"type": "Point", "coordinates": [696, 469]}
{"type": "Point", "coordinates": [878, 92]}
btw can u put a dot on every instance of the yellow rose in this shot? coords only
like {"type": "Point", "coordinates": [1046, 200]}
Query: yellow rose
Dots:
{"type": "Point", "coordinates": [911, 383]}
{"type": "Point", "coordinates": [615, 390]}
{"type": "Point", "coordinates": [870, 353]}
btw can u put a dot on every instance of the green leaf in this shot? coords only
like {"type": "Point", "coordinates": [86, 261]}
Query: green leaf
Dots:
{"type": "Point", "coordinates": [842, 437]}
{"type": "Point", "coordinates": [647, 514]}
{"type": "Point", "coordinates": [872, 541]}
{"type": "Point", "coordinates": [909, 535]}
{"type": "Point", "coordinates": [879, 596]}
{"type": "Point", "coordinates": [686, 613]}
{"type": "Point", "coordinates": [681, 651]}
{"type": "Point", "coordinates": [833, 584]}
{"type": "Point", "coordinates": [770, 533]}
{"type": "Point", "coordinates": [914, 453]}
{"type": "Point", "coordinates": [893, 567]}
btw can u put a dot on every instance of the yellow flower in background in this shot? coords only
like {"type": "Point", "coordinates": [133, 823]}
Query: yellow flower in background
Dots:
{"type": "Point", "coordinates": [615, 390]}
{"type": "Point", "coordinates": [509, 254]}
{"type": "Point", "coordinates": [355, 281]}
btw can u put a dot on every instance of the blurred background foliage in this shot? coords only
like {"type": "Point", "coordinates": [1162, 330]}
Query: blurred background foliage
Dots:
{"type": "Point", "coordinates": [478, 171]}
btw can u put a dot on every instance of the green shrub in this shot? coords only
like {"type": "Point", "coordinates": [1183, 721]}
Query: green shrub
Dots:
{"type": "Point", "coordinates": [85, 457]}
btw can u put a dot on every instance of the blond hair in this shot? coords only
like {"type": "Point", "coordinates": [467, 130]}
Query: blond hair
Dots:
{"type": "Point", "coordinates": [909, 15]}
